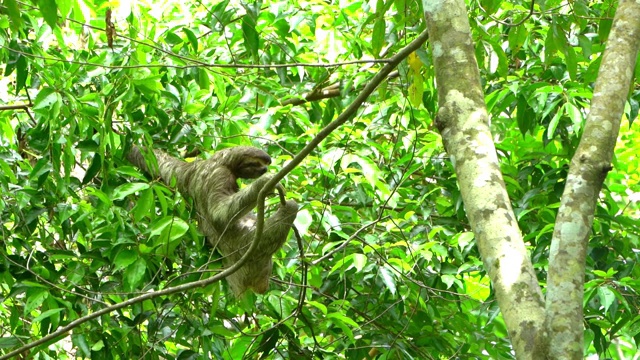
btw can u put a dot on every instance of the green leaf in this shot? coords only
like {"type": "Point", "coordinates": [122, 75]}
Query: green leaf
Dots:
{"type": "Point", "coordinates": [193, 40]}
{"type": "Point", "coordinates": [573, 112]}
{"type": "Point", "coordinates": [80, 11]}
{"type": "Point", "coordinates": [45, 98]}
{"type": "Point", "coordinates": [517, 37]}
{"type": "Point", "coordinates": [35, 298]}
{"type": "Point", "coordinates": [22, 72]}
{"type": "Point", "coordinates": [586, 45]}
{"type": "Point", "coordinates": [553, 124]}
{"type": "Point", "coordinates": [100, 195]}
{"type": "Point", "coordinates": [193, 108]}
{"type": "Point", "coordinates": [80, 341]}
{"type": "Point", "coordinates": [125, 258]}
{"type": "Point", "coordinates": [524, 115]}
{"type": "Point", "coordinates": [49, 10]}
{"type": "Point", "coordinates": [499, 62]}
{"type": "Point", "coordinates": [125, 190]}
{"type": "Point", "coordinates": [47, 314]}
{"type": "Point", "coordinates": [143, 205]}
{"type": "Point", "coordinates": [359, 261]}
{"type": "Point", "coordinates": [491, 6]}
{"type": "Point", "coordinates": [416, 90]}
{"type": "Point", "coordinates": [448, 280]}
{"type": "Point", "coordinates": [317, 305]}
{"type": "Point", "coordinates": [268, 342]}
{"type": "Point", "coordinates": [634, 328]}
{"type": "Point", "coordinates": [7, 173]}
{"type": "Point", "coordinates": [94, 168]}
{"type": "Point", "coordinates": [149, 85]}
{"type": "Point", "coordinates": [203, 79]}
{"type": "Point", "coordinates": [162, 199]}
{"type": "Point", "coordinates": [552, 43]}
{"type": "Point", "coordinates": [178, 228]}
{"type": "Point", "coordinates": [64, 7]}
{"type": "Point", "coordinates": [9, 342]}
{"type": "Point", "coordinates": [158, 226]}
{"type": "Point", "coordinates": [220, 87]}
{"type": "Point", "coordinates": [345, 264]}
{"type": "Point", "coordinates": [98, 346]}
{"type": "Point", "coordinates": [343, 323]}
{"type": "Point", "coordinates": [172, 39]}
{"type": "Point", "coordinates": [377, 38]}
{"type": "Point", "coordinates": [14, 14]}
{"type": "Point", "coordinates": [464, 239]}
{"type": "Point", "coordinates": [571, 61]}
{"type": "Point", "coordinates": [606, 296]}
{"type": "Point", "coordinates": [370, 170]}
{"type": "Point", "coordinates": [133, 274]}
{"type": "Point", "coordinates": [477, 286]}
{"type": "Point", "coordinates": [76, 272]}
{"type": "Point", "coordinates": [250, 35]}
{"type": "Point", "coordinates": [604, 27]}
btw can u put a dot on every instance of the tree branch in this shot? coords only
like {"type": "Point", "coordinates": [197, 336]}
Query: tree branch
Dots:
{"type": "Point", "coordinates": [15, 107]}
{"type": "Point", "coordinates": [588, 169]}
{"type": "Point", "coordinates": [317, 94]}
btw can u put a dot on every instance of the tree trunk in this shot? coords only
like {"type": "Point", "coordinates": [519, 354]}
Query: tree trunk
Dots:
{"type": "Point", "coordinates": [589, 167]}
{"type": "Point", "coordinates": [463, 121]}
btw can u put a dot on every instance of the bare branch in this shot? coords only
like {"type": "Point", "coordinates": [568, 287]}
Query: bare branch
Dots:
{"type": "Point", "coordinates": [15, 107]}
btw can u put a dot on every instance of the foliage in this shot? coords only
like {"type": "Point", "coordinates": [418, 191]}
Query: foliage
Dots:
{"type": "Point", "coordinates": [387, 267]}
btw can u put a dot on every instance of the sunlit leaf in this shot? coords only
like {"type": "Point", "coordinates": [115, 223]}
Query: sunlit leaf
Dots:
{"type": "Point", "coordinates": [125, 190]}
{"type": "Point", "coordinates": [416, 89]}
{"type": "Point", "coordinates": [47, 314]}
{"type": "Point", "coordinates": [388, 279]}
{"type": "Point", "coordinates": [606, 296]}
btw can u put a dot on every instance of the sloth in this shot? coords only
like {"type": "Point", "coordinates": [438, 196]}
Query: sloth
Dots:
{"type": "Point", "coordinates": [224, 211]}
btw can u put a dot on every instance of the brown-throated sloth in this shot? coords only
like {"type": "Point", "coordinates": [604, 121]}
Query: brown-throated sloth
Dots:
{"type": "Point", "coordinates": [224, 211]}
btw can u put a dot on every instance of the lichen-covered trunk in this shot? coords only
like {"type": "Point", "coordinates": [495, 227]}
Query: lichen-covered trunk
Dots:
{"type": "Point", "coordinates": [589, 166]}
{"type": "Point", "coordinates": [463, 122]}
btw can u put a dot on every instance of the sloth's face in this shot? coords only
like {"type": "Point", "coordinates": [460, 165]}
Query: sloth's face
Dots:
{"type": "Point", "coordinates": [252, 168]}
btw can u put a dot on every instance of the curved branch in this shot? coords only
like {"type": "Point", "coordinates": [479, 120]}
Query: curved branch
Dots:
{"type": "Point", "coordinates": [281, 193]}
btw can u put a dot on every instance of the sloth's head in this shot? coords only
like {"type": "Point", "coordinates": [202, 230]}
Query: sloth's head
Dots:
{"type": "Point", "coordinates": [245, 162]}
